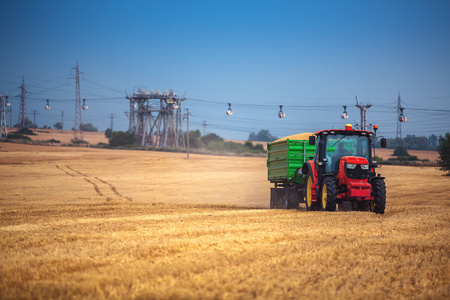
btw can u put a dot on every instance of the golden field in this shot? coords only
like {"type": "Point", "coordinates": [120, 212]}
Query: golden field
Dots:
{"type": "Point", "coordinates": [82, 223]}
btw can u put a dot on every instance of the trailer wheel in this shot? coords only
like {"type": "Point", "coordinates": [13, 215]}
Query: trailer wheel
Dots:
{"type": "Point", "coordinates": [378, 205]}
{"type": "Point", "coordinates": [328, 194]}
{"type": "Point", "coordinates": [310, 205]}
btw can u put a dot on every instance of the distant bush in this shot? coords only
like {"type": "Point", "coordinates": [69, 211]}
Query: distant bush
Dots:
{"type": "Point", "coordinates": [26, 124]}
{"type": "Point", "coordinates": [17, 136]}
{"type": "Point", "coordinates": [102, 145]}
{"type": "Point", "coordinates": [78, 142]}
{"type": "Point", "coordinates": [26, 131]}
{"type": "Point", "coordinates": [400, 151]}
{"type": "Point", "coordinates": [120, 138]}
{"type": "Point", "coordinates": [211, 137]}
{"type": "Point", "coordinates": [214, 144]}
{"type": "Point", "coordinates": [53, 141]}
{"type": "Point", "coordinates": [58, 125]}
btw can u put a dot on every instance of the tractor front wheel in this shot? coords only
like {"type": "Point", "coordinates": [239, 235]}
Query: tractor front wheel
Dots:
{"type": "Point", "coordinates": [310, 205]}
{"type": "Point", "coordinates": [378, 205]}
{"type": "Point", "coordinates": [328, 194]}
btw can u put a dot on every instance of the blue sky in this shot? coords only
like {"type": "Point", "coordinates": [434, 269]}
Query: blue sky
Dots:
{"type": "Point", "coordinates": [312, 57]}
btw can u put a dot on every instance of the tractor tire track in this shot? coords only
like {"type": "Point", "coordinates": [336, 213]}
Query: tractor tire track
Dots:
{"type": "Point", "coordinates": [97, 189]}
{"type": "Point", "coordinates": [113, 189]}
{"type": "Point", "coordinates": [59, 168]}
{"type": "Point", "coordinates": [96, 186]}
{"type": "Point", "coordinates": [77, 171]}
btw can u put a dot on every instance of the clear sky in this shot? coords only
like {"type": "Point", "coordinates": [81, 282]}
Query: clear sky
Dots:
{"type": "Point", "coordinates": [312, 57]}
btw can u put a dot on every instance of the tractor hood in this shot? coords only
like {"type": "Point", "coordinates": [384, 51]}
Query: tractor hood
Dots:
{"type": "Point", "coordinates": [354, 160]}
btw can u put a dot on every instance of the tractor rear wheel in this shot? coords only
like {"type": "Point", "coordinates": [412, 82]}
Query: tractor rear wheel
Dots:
{"type": "Point", "coordinates": [328, 194]}
{"type": "Point", "coordinates": [378, 205]}
{"type": "Point", "coordinates": [310, 205]}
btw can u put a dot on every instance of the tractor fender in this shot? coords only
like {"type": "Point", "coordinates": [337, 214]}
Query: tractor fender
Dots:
{"type": "Point", "coordinates": [376, 177]}
{"type": "Point", "coordinates": [310, 168]}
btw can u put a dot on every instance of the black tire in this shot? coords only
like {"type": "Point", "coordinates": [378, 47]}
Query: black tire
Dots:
{"type": "Point", "coordinates": [310, 205]}
{"type": "Point", "coordinates": [378, 205]}
{"type": "Point", "coordinates": [328, 194]}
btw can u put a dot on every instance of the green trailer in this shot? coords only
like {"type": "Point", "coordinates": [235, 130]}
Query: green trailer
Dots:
{"type": "Point", "coordinates": [284, 163]}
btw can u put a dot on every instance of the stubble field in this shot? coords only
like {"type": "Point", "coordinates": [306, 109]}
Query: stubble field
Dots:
{"type": "Point", "coordinates": [90, 223]}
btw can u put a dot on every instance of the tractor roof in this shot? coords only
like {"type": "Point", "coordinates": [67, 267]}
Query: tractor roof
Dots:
{"type": "Point", "coordinates": [353, 131]}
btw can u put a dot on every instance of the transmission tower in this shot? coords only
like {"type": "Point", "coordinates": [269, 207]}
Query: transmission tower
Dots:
{"type": "Point", "coordinates": [35, 112]}
{"type": "Point", "coordinates": [78, 123]}
{"type": "Point", "coordinates": [400, 120]}
{"type": "Point", "coordinates": [62, 121]}
{"type": "Point", "coordinates": [204, 128]}
{"type": "Point", "coordinates": [23, 117]}
{"type": "Point", "coordinates": [3, 103]}
{"type": "Point", "coordinates": [155, 117]}
{"type": "Point", "coordinates": [112, 122]}
{"type": "Point", "coordinates": [363, 107]}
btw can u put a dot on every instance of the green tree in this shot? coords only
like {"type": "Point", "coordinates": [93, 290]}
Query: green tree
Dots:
{"type": "Point", "coordinates": [433, 141]}
{"type": "Point", "coordinates": [195, 140]}
{"type": "Point", "coordinates": [108, 133]}
{"type": "Point", "coordinates": [58, 125]}
{"type": "Point", "coordinates": [28, 124]}
{"type": "Point", "coordinates": [400, 151]}
{"type": "Point", "coordinates": [211, 137]}
{"type": "Point", "coordinates": [120, 138]}
{"type": "Point", "coordinates": [89, 127]}
{"type": "Point", "coordinates": [262, 136]}
{"type": "Point", "coordinates": [444, 153]}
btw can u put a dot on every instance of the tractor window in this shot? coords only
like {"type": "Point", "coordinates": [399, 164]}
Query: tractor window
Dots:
{"type": "Point", "coordinates": [351, 145]}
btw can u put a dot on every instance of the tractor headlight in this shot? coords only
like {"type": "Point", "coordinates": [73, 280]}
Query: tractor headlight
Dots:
{"type": "Point", "coordinates": [351, 166]}
{"type": "Point", "coordinates": [365, 167]}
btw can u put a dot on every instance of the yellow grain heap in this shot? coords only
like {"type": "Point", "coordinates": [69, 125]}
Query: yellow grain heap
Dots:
{"type": "Point", "coordinates": [298, 136]}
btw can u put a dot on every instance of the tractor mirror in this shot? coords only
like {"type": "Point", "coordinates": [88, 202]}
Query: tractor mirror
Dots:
{"type": "Point", "coordinates": [383, 143]}
{"type": "Point", "coordinates": [312, 140]}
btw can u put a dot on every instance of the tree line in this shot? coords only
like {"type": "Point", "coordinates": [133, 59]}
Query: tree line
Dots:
{"type": "Point", "coordinates": [412, 142]}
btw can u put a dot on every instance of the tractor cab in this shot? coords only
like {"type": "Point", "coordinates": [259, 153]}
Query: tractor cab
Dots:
{"type": "Point", "coordinates": [341, 170]}
{"type": "Point", "coordinates": [352, 148]}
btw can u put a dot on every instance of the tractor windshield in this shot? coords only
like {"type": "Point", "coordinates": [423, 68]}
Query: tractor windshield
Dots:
{"type": "Point", "coordinates": [340, 145]}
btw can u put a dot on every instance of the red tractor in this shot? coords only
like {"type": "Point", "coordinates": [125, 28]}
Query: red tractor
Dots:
{"type": "Point", "coordinates": [342, 172]}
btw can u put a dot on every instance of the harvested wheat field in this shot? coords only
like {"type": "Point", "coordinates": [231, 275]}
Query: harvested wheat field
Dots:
{"type": "Point", "coordinates": [65, 136]}
{"type": "Point", "coordinates": [92, 223]}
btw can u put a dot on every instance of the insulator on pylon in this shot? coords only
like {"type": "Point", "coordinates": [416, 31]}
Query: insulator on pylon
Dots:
{"type": "Point", "coordinates": [344, 114]}
{"type": "Point", "coordinates": [281, 114]}
{"type": "Point", "coordinates": [175, 105]}
{"type": "Point", "coordinates": [229, 111]}
{"type": "Point", "coordinates": [47, 107]}
{"type": "Point", "coordinates": [7, 103]}
{"type": "Point", "coordinates": [84, 105]}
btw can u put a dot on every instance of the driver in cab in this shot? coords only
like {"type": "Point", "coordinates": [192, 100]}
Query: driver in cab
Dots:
{"type": "Point", "coordinates": [340, 152]}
